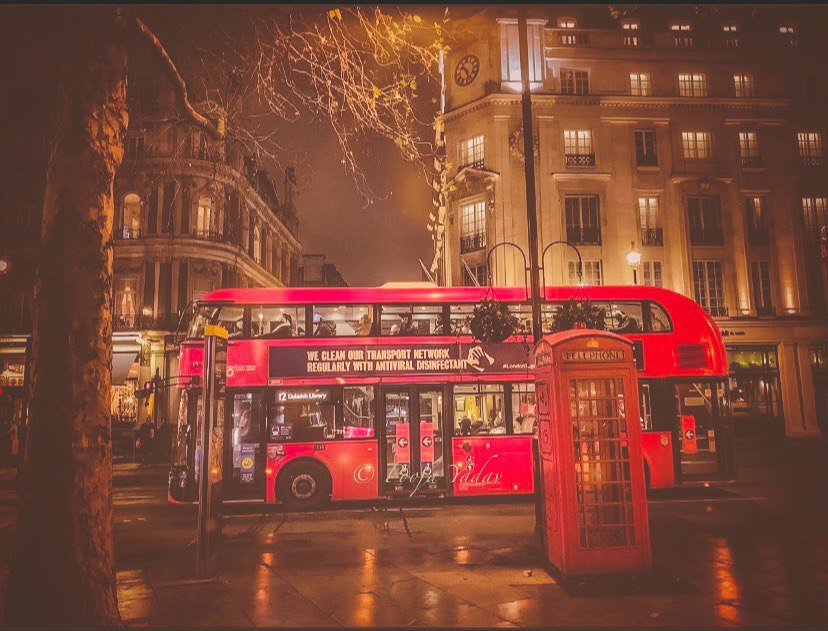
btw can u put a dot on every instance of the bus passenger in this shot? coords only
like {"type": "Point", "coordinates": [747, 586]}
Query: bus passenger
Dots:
{"type": "Point", "coordinates": [364, 325]}
{"type": "Point", "coordinates": [625, 323]}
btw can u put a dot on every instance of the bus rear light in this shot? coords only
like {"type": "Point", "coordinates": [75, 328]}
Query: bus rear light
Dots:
{"type": "Point", "coordinates": [692, 356]}
{"type": "Point", "coordinates": [664, 441]}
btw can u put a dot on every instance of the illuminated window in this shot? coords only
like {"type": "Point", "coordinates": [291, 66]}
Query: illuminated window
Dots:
{"type": "Point", "coordinates": [472, 226]}
{"type": "Point", "coordinates": [592, 273]}
{"type": "Point", "coordinates": [730, 28]}
{"type": "Point", "coordinates": [810, 148]}
{"type": "Point", "coordinates": [755, 220]}
{"type": "Point", "coordinates": [574, 81]}
{"type": "Point", "coordinates": [681, 26]}
{"type": "Point", "coordinates": [578, 147]}
{"type": "Point", "coordinates": [257, 244]}
{"type": "Point", "coordinates": [640, 83]}
{"type": "Point", "coordinates": [204, 216]}
{"type": "Point", "coordinates": [566, 22]}
{"type": "Point", "coordinates": [645, 148]}
{"type": "Point", "coordinates": [510, 52]}
{"type": "Point", "coordinates": [471, 152]}
{"type": "Point", "coordinates": [749, 149]}
{"type": "Point", "coordinates": [653, 274]}
{"type": "Point", "coordinates": [761, 287]}
{"type": "Point", "coordinates": [708, 286]}
{"type": "Point", "coordinates": [342, 320]}
{"type": "Point", "coordinates": [650, 221]}
{"type": "Point", "coordinates": [277, 322]}
{"type": "Point", "coordinates": [630, 24]}
{"type": "Point", "coordinates": [787, 30]}
{"type": "Point", "coordinates": [692, 84]}
{"type": "Point", "coordinates": [131, 216]}
{"type": "Point", "coordinates": [125, 299]}
{"type": "Point", "coordinates": [814, 217]}
{"type": "Point", "coordinates": [743, 85]}
{"type": "Point", "coordinates": [479, 409]}
{"type": "Point", "coordinates": [696, 145]}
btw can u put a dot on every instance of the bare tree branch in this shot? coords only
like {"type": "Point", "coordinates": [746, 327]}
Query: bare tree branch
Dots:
{"type": "Point", "coordinates": [215, 129]}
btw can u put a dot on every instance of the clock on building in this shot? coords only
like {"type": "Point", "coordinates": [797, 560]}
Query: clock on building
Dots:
{"type": "Point", "coordinates": [466, 71]}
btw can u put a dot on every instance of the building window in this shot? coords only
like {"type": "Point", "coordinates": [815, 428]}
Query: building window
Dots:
{"type": "Point", "coordinates": [749, 149]}
{"type": "Point", "coordinates": [731, 37]}
{"type": "Point", "coordinates": [204, 217]}
{"type": "Point", "coordinates": [695, 145]}
{"type": "Point", "coordinates": [755, 220]}
{"type": "Point", "coordinates": [810, 148]}
{"type": "Point", "coordinates": [583, 226]}
{"type": "Point", "coordinates": [708, 288]}
{"type": "Point", "coordinates": [131, 216]}
{"type": "Point", "coordinates": [645, 148]}
{"type": "Point", "coordinates": [754, 381]}
{"type": "Point", "coordinates": [650, 221]}
{"type": "Point", "coordinates": [135, 146]}
{"type": "Point", "coordinates": [592, 273]}
{"type": "Point", "coordinates": [474, 275]}
{"type": "Point", "coordinates": [653, 274]}
{"type": "Point", "coordinates": [761, 286]}
{"type": "Point", "coordinates": [682, 37]}
{"type": "Point", "coordinates": [814, 217]}
{"type": "Point", "coordinates": [743, 85]}
{"type": "Point", "coordinates": [566, 22]}
{"type": "Point", "coordinates": [257, 244]}
{"type": "Point", "coordinates": [681, 25]}
{"type": "Point", "coordinates": [574, 81]}
{"type": "Point", "coordinates": [705, 219]}
{"type": "Point", "coordinates": [471, 152]}
{"type": "Point", "coordinates": [692, 84]}
{"type": "Point", "coordinates": [472, 226]}
{"type": "Point", "coordinates": [125, 301]}
{"type": "Point", "coordinates": [630, 24]}
{"type": "Point", "coordinates": [578, 148]}
{"type": "Point", "coordinates": [640, 83]}
{"type": "Point", "coordinates": [510, 53]}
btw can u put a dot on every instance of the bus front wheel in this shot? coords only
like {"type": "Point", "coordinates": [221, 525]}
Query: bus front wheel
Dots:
{"type": "Point", "coordinates": [304, 485]}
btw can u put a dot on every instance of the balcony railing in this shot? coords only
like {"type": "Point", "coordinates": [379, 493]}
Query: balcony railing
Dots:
{"type": "Point", "coordinates": [580, 159]}
{"type": "Point", "coordinates": [207, 235]}
{"type": "Point", "coordinates": [573, 39]}
{"type": "Point", "coordinates": [646, 160]}
{"type": "Point", "coordinates": [717, 311]}
{"type": "Point", "coordinates": [652, 236]}
{"type": "Point", "coordinates": [581, 235]}
{"type": "Point", "coordinates": [634, 41]}
{"type": "Point", "coordinates": [473, 164]}
{"type": "Point", "coordinates": [765, 311]}
{"type": "Point", "coordinates": [472, 242]}
{"type": "Point", "coordinates": [751, 161]}
{"type": "Point", "coordinates": [811, 161]}
{"type": "Point", "coordinates": [683, 41]}
{"type": "Point", "coordinates": [706, 236]}
{"type": "Point", "coordinates": [140, 322]}
{"type": "Point", "coordinates": [128, 233]}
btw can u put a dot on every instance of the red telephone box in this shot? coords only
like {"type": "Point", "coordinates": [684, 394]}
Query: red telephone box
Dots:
{"type": "Point", "coordinates": [593, 494]}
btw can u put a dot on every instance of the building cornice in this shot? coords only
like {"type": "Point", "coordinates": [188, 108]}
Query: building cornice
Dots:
{"type": "Point", "coordinates": [569, 176]}
{"type": "Point", "coordinates": [619, 101]}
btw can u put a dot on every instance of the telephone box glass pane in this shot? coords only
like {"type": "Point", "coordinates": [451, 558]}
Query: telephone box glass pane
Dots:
{"type": "Point", "coordinates": [602, 463]}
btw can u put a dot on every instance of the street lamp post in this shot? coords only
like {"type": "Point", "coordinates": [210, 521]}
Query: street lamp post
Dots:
{"type": "Point", "coordinates": [634, 260]}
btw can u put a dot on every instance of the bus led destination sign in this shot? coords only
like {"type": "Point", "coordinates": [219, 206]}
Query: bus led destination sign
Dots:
{"type": "Point", "coordinates": [593, 355]}
{"type": "Point", "coordinates": [465, 358]}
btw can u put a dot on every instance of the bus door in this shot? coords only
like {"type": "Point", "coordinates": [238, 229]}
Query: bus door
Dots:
{"type": "Point", "coordinates": [414, 454]}
{"type": "Point", "coordinates": [245, 454]}
{"type": "Point", "coordinates": [698, 409]}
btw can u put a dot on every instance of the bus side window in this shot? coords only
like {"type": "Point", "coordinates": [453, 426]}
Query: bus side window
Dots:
{"type": "Point", "coordinates": [624, 317]}
{"type": "Point", "coordinates": [358, 412]}
{"type": "Point", "coordinates": [659, 320]}
{"type": "Point", "coordinates": [232, 319]}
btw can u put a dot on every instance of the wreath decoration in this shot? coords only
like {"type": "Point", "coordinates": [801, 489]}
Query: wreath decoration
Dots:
{"type": "Point", "coordinates": [491, 321]}
{"type": "Point", "coordinates": [578, 314]}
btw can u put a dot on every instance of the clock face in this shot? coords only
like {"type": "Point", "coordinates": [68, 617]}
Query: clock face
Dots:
{"type": "Point", "coordinates": [466, 71]}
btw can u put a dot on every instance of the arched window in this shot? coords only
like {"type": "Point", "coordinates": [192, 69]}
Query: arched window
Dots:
{"type": "Point", "coordinates": [131, 216]}
{"type": "Point", "coordinates": [257, 244]}
{"type": "Point", "coordinates": [204, 220]}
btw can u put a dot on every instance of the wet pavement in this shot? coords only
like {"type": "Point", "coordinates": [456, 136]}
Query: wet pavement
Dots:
{"type": "Point", "coordinates": [750, 553]}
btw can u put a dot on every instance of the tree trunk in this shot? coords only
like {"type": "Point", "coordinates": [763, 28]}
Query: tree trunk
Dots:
{"type": "Point", "coordinates": [63, 572]}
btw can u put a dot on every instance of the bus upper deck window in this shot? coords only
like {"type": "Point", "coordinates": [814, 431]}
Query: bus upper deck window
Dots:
{"type": "Point", "coordinates": [277, 322]}
{"type": "Point", "coordinates": [524, 315]}
{"type": "Point", "coordinates": [660, 321]}
{"type": "Point", "coordinates": [459, 317]}
{"type": "Point", "coordinates": [203, 316]}
{"type": "Point", "coordinates": [623, 317]}
{"type": "Point", "coordinates": [342, 321]}
{"type": "Point", "coordinates": [232, 319]}
{"type": "Point", "coordinates": [411, 320]}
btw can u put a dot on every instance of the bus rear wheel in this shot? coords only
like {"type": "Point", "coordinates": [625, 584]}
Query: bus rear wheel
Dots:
{"type": "Point", "coordinates": [304, 485]}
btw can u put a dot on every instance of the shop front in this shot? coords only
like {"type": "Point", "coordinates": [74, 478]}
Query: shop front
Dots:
{"type": "Point", "coordinates": [755, 386]}
{"type": "Point", "coordinates": [13, 400]}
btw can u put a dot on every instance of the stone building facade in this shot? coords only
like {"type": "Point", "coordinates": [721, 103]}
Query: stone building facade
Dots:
{"type": "Point", "coordinates": [695, 139]}
{"type": "Point", "coordinates": [191, 215]}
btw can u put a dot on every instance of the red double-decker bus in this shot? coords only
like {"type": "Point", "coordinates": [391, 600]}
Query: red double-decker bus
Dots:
{"type": "Point", "coordinates": [362, 393]}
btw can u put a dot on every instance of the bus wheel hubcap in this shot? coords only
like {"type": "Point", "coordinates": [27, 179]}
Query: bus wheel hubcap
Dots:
{"type": "Point", "coordinates": [303, 486]}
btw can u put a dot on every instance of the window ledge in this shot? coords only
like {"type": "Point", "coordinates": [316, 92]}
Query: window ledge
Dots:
{"type": "Point", "coordinates": [753, 169]}
{"type": "Point", "coordinates": [652, 169]}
